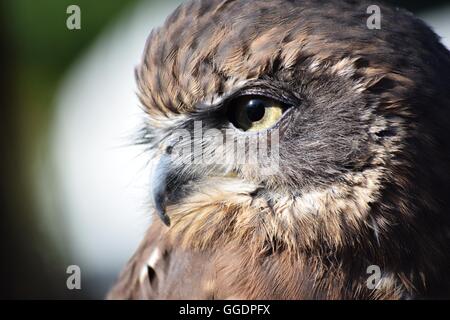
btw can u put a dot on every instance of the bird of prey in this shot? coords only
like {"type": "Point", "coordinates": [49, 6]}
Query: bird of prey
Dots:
{"type": "Point", "coordinates": [361, 186]}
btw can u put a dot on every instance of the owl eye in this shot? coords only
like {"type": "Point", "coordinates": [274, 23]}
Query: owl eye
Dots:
{"type": "Point", "coordinates": [253, 113]}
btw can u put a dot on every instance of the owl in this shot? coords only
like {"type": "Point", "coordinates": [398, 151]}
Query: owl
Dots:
{"type": "Point", "coordinates": [296, 154]}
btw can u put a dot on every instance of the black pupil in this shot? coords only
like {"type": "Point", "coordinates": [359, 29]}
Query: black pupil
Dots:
{"type": "Point", "coordinates": [255, 110]}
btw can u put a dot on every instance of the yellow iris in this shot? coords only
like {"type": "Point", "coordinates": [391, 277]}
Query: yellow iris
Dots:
{"type": "Point", "coordinates": [255, 113]}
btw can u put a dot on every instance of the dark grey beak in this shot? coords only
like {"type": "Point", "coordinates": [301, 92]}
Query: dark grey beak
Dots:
{"type": "Point", "coordinates": [159, 187]}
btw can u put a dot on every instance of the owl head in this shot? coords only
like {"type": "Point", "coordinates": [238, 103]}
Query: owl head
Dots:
{"type": "Point", "coordinates": [291, 125]}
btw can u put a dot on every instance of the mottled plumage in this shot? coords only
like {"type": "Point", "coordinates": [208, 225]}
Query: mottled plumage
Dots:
{"type": "Point", "coordinates": [364, 171]}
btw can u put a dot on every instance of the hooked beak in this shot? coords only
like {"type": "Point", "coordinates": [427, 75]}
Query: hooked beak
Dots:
{"type": "Point", "coordinates": [166, 181]}
{"type": "Point", "coordinates": [159, 187]}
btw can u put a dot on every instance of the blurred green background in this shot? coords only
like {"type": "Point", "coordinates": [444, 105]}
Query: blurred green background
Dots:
{"type": "Point", "coordinates": [36, 52]}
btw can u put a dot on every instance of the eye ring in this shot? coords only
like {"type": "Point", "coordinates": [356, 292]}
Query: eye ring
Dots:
{"type": "Point", "coordinates": [253, 113]}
